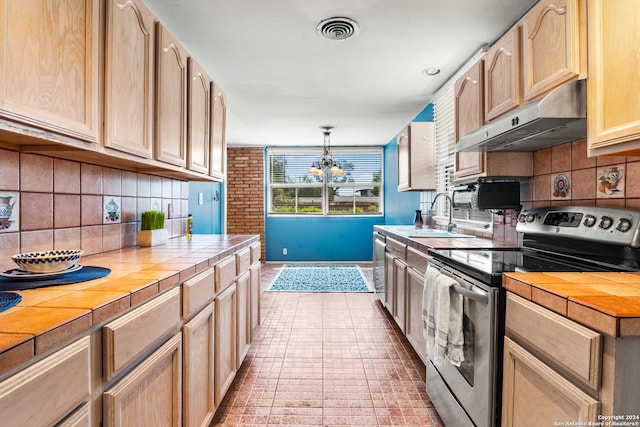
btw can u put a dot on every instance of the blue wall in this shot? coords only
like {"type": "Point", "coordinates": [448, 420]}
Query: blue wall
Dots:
{"type": "Point", "coordinates": [207, 218]}
{"type": "Point", "coordinates": [320, 239]}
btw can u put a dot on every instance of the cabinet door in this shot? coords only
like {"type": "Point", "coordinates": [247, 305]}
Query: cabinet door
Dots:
{"type": "Point", "coordinates": [243, 322]}
{"type": "Point", "coordinates": [197, 394]}
{"type": "Point", "coordinates": [469, 99]}
{"type": "Point", "coordinates": [400, 273]}
{"type": "Point", "coordinates": [171, 99]}
{"type": "Point", "coordinates": [613, 105]}
{"type": "Point", "coordinates": [389, 282]}
{"type": "Point", "coordinates": [404, 176]}
{"type": "Point", "coordinates": [414, 332]}
{"type": "Point", "coordinates": [198, 117]}
{"type": "Point", "coordinates": [49, 65]}
{"type": "Point", "coordinates": [502, 81]}
{"type": "Point", "coordinates": [129, 77]}
{"type": "Point", "coordinates": [151, 394]}
{"type": "Point", "coordinates": [416, 161]}
{"type": "Point", "coordinates": [529, 385]}
{"type": "Point", "coordinates": [218, 135]}
{"type": "Point", "coordinates": [254, 272]}
{"type": "Point", "coordinates": [49, 390]}
{"type": "Point", "coordinates": [553, 34]}
{"type": "Point", "coordinates": [225, 342]}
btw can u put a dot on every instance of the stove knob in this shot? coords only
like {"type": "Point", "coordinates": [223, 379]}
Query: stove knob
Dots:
{"type": "Point", "coordinates": [522, 217]}
{"type": "Point", "coordinates": [589, 221]}
{"type": "Point", "coordinates": [530, 217]}
{"type": "Point", "coordinates": [623, 225]}
{"type": "Point", "coordinates": [606, 222]}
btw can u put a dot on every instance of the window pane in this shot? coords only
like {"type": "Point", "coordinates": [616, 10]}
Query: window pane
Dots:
{"type": "Point", "coordinates": [293, 190]}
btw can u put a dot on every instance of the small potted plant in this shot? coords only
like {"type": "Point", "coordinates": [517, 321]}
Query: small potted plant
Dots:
{"type": "Point", "coordinates": [152, 231]}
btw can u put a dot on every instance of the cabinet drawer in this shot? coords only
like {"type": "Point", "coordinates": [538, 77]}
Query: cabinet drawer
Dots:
{"type": "Point", "coordinates": [396, 248]}
{"type": "Point", "coordinates": [225, 273]}
{"type": "Point", "coordinates": [46, 392]}
{"type": "Point", "coordinates": [243, 261]}
{"type": "Point", "coordinates": [417, 260]}
{"type": "Point", "coordinates": [560, 342]}
{"type": "Point", "coordinates": [255, 252]}
{"type": "Point", "coordinates": [197, 292]}
{"type": "Point", "coordinates": [128, 337]}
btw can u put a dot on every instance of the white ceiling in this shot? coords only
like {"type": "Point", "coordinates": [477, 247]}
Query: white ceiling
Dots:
{"type": "Point", "coordinates": [283, 80]}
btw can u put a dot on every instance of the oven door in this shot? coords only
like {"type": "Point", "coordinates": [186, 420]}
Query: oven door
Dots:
{"type": "Point", "coordinates": [467, 394]}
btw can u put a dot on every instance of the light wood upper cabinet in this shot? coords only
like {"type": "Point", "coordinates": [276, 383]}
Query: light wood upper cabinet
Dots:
{"type": "Point", "coordinates": [469, 104]}
{"type": "Point", "coordinates": [416, 158]}
{"type": "Point", "coordinates": [502, 81]}
{"type": "Point", "coordinates": [129, 77]}
{"type": "Point", "coordinates": [171, 99]}
{"type": "Point", "coordinates": [554, 34]}
{"type": "Point", "coordinates": [218, 136]}
{"type": "Point", "coordinates": [198, 117]}
{"type": "Point", "coordinates": [613, 105]}
{"type": "Point", "coordinates": [49, 67]}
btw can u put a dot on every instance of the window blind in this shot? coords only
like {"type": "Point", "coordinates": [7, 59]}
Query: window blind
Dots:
{"type": "Point", "coordinates": [294, 191]}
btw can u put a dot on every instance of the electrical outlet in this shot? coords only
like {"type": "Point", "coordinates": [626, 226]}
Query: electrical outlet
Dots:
{"type": "Point", "coordinates": [284, 251]}
{"type": "Point", "coordinates": [169, 211]}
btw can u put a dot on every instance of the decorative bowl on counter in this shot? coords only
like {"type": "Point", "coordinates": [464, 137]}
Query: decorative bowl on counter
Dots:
{"type": "Point", "coordinates": [47, 261]}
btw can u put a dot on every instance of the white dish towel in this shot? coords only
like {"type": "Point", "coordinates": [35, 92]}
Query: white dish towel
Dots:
{"type": "Point", "coordinates": [428, 309]}
{"type": "Point", "coordinates": [448, 322]}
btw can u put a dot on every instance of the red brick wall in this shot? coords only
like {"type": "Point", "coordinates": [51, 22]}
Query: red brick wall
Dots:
{"type": "Point", "coordinates": [245, 192]}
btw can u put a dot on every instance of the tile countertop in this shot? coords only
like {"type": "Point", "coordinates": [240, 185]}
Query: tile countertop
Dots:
{"type": "Point", "coordinates": [49, 316]}
{"type": "Point", "coordinates": [606, 302]}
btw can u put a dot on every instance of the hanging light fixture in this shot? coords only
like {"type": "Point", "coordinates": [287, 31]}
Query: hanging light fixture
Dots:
{"type": "Point", "coordinates": [326, 163]}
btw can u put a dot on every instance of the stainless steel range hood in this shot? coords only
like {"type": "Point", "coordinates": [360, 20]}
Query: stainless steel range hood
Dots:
{"type": "Point", "coordinates": [558, 117]}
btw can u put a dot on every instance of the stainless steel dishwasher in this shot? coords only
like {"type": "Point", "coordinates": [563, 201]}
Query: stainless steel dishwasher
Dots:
{"type": "Point", "coordinates": [379, 248]}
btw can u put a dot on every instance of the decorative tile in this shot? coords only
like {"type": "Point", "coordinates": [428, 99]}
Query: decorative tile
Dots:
{"type": "Point", "coordinates": [112, 209]}
{"type": "Point", "coordinates": [561, 186]}
{"type": "Point", "coordinates": [9, 211]}
{"type": "Point", "coordinates": [611, 182]}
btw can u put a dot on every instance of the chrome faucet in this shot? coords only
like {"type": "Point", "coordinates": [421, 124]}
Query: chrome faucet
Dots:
{"type": "Point", "coordinates": [450, 224]}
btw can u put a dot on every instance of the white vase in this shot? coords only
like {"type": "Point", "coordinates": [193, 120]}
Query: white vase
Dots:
{"type": "Point", "coordinates": [152, 237]}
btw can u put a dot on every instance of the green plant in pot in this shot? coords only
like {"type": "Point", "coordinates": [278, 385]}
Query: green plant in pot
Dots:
{"type": "Point", "coordinates": [152, 231]}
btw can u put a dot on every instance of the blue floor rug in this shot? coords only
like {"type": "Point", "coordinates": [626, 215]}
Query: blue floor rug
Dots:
{"type": "Point", "coordinates": [320, 278]}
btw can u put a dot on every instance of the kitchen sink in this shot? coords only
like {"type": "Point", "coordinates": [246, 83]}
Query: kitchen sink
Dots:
{"type": "Point", "coordinates": [411, 231]}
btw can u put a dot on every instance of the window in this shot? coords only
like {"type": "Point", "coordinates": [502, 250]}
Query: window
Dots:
{"type": "Point", "coordinates": [294, 191]}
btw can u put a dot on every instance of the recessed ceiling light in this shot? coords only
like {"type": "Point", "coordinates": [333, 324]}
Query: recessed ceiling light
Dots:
{"type": "Point", "coordinates": [431, 71]}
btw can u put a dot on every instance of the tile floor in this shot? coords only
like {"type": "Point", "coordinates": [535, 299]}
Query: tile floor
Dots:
{"type": "Point", "coordinates": [329, 359]}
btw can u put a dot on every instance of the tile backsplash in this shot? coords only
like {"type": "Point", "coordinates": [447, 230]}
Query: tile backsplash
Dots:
{"type": "Point", "coordinates": [564, 175]}
{"type": "Point", "coordinates": [48, 203]}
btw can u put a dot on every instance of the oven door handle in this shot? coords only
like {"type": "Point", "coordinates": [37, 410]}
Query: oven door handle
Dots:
{"type": "Point", "coordinates": [476, 296]}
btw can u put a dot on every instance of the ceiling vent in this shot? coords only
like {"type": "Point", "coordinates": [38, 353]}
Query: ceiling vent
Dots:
{"type": "Point", "coordinates": [337, 28]}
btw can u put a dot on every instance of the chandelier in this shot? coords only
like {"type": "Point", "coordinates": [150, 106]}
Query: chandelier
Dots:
{"type": "Point", "coordinates": [326, 163]}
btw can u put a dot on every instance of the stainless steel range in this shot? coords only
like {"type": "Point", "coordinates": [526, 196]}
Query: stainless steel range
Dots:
{"type": "Point", "coordinates": [556, 238]}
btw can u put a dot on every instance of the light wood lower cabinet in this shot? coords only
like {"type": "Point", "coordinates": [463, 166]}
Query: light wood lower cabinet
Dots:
{"type": "Point", "coordinates": [48, 391]}
{"type": "Point", "coordinates": [534, 394]}
{"type": "Point", "coordinates": [254, 278]}
{"type": "Point", "coordinates": [243, 323]}
{"type": "Point", "coordinates": [81, 417]}
{"type": "Point", "coordinates": [400, 304]}
{"type": "Point", "coordinates": [414, 331]}
{"type": "Point", "coordinates": [225, 341]}
{"type": "Point", "coordinates": [389, 282]}
{"type": "Point", "coordinates": [198, 377]}
{"type": "Point", "coordinates": [151, 394]}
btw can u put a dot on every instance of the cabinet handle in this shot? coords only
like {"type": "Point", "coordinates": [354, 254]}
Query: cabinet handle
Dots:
{"type": "Point", "coordinates": [557, 9]}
